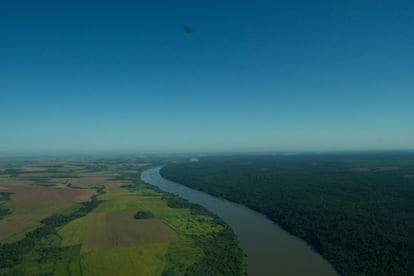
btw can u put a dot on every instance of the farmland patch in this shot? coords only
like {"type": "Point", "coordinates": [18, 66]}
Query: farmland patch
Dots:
{"type": "Point", "coordinates": [142, 260]}
{"type": "Point", "coordinates": [113, 229]}
{"type": "Point", "coordinates": [27, 195]}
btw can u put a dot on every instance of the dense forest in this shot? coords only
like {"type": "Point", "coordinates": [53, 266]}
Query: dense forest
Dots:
{"type": "Point", "coordinates": [356, 210]}
{"type": "Point", "coordinates": [4, 211]}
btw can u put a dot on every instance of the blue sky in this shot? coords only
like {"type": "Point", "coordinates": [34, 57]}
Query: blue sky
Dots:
{"type": "Point", "coordinates": [124, 77]}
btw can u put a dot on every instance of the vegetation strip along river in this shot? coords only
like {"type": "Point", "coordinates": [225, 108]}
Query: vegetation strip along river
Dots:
{"type": "Point", "coordinates": [270, 250]}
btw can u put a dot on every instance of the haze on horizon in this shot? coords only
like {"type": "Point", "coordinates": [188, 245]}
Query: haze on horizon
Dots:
{"type": "Point", "coordinates": [128, 76]}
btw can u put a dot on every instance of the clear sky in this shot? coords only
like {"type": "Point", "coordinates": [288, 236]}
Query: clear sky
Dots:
{"type": "Point", "coordinates": [124, 76]}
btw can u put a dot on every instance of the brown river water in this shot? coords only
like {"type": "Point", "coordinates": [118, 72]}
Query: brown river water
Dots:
{"type": "Point", "coordinates": [270, 250]}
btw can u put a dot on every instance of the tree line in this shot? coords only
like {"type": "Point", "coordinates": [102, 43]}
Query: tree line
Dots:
{"type": "Point", "coordinates": [356, 210]}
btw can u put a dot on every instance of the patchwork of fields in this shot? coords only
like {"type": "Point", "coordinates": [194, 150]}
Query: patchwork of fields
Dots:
{"type": "Point", "coordinates": [73, 217]}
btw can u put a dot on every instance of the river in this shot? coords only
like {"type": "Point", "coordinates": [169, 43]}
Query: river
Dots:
{"type": "Point", "coordinates": [270, 250]}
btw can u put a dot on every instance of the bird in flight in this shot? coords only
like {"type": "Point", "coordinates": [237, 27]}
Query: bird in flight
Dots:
{"type": "Point", "coordinates": [188, 30]}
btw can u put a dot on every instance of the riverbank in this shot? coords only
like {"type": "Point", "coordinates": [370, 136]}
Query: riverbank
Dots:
{"type": "Point", "coordinates": [270, 250]}
{"type": "Point", "coordinates": [355, 209]}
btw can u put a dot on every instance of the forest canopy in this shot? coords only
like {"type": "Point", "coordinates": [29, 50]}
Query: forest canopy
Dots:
{"type": "Point", "coordinates": [356, 210]}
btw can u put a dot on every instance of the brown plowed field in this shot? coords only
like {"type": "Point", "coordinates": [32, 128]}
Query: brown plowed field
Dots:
{"type": "Point", "coordinates": [30, 204]}
{"type": "Point", "coordinates": [28, 195]}
{"type": "Point", "coordinates": [7, 183]}
{"type": "Point", "coordinates": [25, 216]}
{"type": "Point", "coordinates": [123, 229]}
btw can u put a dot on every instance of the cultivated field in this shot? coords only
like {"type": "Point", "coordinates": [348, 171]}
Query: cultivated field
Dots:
{"type": "Point", "coordinates": [73, 217]}
{"type": "Point", "coordinates": [29, 203]}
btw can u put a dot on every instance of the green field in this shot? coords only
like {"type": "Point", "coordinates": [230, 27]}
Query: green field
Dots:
{"type": "Point", "coordinates": [141, 259]}
{"type": "Point", "coordinates": [103, 236]}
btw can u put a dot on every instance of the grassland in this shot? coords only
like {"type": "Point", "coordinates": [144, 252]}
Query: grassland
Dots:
{"type": "Point", "coordinates": [139, 259]}
{"type": "Point", "coordinates": [76, 217]}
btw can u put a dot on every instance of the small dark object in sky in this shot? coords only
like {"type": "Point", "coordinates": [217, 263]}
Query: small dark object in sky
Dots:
{"type": "Point", "coordinates": [188, 30]}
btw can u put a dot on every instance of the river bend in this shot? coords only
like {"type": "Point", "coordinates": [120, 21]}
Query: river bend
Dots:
{"type": "Point", "coordinates": [270, 250]}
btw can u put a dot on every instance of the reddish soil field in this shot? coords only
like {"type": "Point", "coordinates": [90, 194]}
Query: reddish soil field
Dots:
{"type": "Point", "coordinates": [123, 229]}
{"type": "Point", "coordinates": [24, 195]}
{"type": "Point", "coordinates": [6, 183]}
{"type": "Point", "coordinates": [24, 216]}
